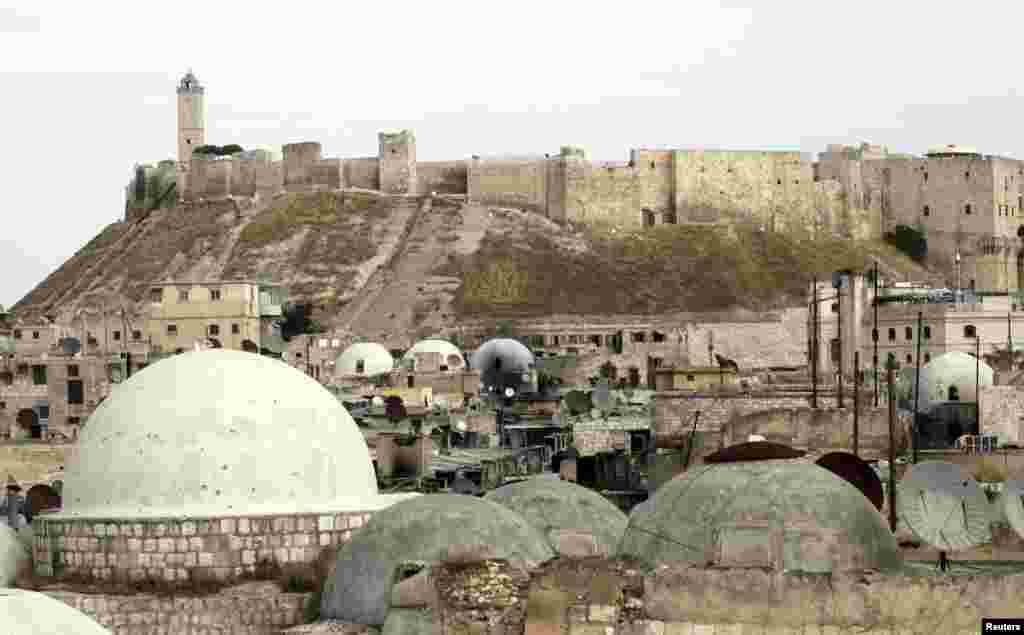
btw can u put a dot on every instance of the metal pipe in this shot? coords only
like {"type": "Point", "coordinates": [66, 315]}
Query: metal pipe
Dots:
{"type": "Point", "coordinates": [917, 383]}
{"type": "Point", "coordinates": [856, 401]}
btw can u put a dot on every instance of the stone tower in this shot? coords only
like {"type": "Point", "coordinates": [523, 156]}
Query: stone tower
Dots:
{"type": "Point", "coordinates": [398, 162]}
{"type": "Point", "coordinates": [191, 118]}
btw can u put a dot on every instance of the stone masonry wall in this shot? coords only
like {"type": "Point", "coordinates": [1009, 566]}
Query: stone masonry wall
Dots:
{"type": "Point", "coordinates": [1002, 412]}
{"type": "Point", "coordinates": [443, 177]}
{"type": "Point", "coordinates": [362, 173]}
{"type": "Point", "coordinates": [521, 184]}
{"type": "Point", "coordinates": [605, 597]}
{"type": "Point", "coordinates": [177, 551]}
{"type": "Point", "coordinates": [727, 419]}
{"type": "Point", "coordinates": [226, 612]}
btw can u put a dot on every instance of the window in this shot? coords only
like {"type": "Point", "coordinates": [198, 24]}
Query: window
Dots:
{"type": "Point", "coordinates": [410, 381]}
{"type": "Point", "coordinates": [927, 211]}
{"type": "Point", "coordinates": [595, 340]}
{"type": "Point", "coordinates": [670, 218]}
{"type": "Point", "coordinates": [970, 331]}
{"type": "Point", "coordinates": [3, 405]}
{"type": "Point", "coordinates": [172, 329]}
{"type": "Point", "coordinates": [235, 329]}
{"type": "Point", "coordinates": [182, 295]}
{"type": "Point", "coordinates": [925, 177]}
{"type": "Point", "coordinates": [74, 421]}
{"type": "Point", "coordinates": [909, 332]}
{"type": "Point", "coordinates": [156, 295]}
{"type": "Point", "coordinates": [892, 335]}
{"type": "Point", "coordinates": [72, 370]}
{"type": "Point", "coordinates": [555, 340]}
{"type": "Point", "coordinates": [136, 335]}
{"type": "Point", "coordinates": [76, 393]}
{"type": "Point", "coordinates": [117, 336]}
{"type": "Point", "coordinates": [927, 332]}
{"type": "Point", "coordinates": [44, 412]}
{"type": "Point", "coordinates": [214, 295]}
{"type": "Point", "coordinates": [778, 182]}
{"type": "Point", "coordinates": [638, 337]}
{"type": "Point", "coordinates": [835, 307]}
{"type": "Point", "coordinates": [657, 337]}
{"type": "Point", "coordinates": [17, 334]}
{"type": "Point", "coordinates": [967, 209]}
{"type": "Point", "coordinates": [909, 359]}
{"type": "Point", "coordinates": [35, 335]}
{"type": "Point", "coordinates": [689, 378]}
{"type": "Point", "coordinates": [39, 375]}
{"type": "Point", "coordinates": [967, 176]}
{"type": "Point", "coordinates": [927, 357]}
{"type": "Point", "coordinates": [213, 329]}
{"type": "Point", "coordinates": [6, 378]}
{"type": "Point", "coordinates": [648, 217]}
{"type": "Point", "coordinates": [360, 366]}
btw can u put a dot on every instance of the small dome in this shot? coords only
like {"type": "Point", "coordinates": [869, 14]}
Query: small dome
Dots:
{"type": "Point", "coordinates": [376, 360]}
{"type": "Point", "coordinates": [499, 357]}
{"type": "Point", "coordinates": [30, 613]}
{"type": "Point", "coordinates": [218, 431]}
{"type": "Point", "coordinates": [952, 370]}
{"type": "Point", "coordinates": [740, 506]}
{"type": "Point", "coordinates": [14, 556]}
{"type": "Point", "coordinates": [358, 589]}
{"type": "Point", "coordinates": [450, 354]}
{"type": "Point", "coordinates": [552, 504]}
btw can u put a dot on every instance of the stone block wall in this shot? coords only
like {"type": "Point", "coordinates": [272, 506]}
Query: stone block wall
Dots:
{"type": "Point", "coordinates": [603, 597]}
{"type": "Point", "coordinates": [511, 183]}
{"type": "Point", "coordinates": [299, 160]}
{"type": "Point", "coordinates": [443, 177]}
{"type": "Point", "coordinates": [363, 173]}
{"type": "Point", "coordinates": [1002, 412]}
{"type": "Point", "coordinates": [179, 551]}
{"type": "Point", "coordinates": [226, 612]}
{"type": "Point", "coordinates": [592, 441]}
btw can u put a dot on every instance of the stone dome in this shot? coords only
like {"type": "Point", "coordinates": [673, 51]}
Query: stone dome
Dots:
{"type": "Point", "coordinates": [218, 432]}
{"type": "Point", "coordinates": [422, 528]}
{"type": "Point", "coordinates": [949, 370]}
{"type": "Point", "coordinates": [14, 556]}
{"type": "Point", "coordinates": [500, 357]}
{"type": "Point", "coordinates": [450, 353]}
{"type": "Point", "coordinates": [553, 505]}
{"type": "Point", "coordinates": [31, 613]}
{"type": "Point", "coordinates": [734, 511]}
{"type": "Point", "coordinates": [376, 360]}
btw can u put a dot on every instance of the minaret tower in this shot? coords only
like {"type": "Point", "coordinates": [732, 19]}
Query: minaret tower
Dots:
{"type": "Point", "coordinates": [191, 118]}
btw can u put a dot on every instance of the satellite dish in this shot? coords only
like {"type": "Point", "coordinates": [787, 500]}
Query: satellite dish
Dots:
{"type": "Point", "coordinates": [944, 506]}
{"type": "Point", "coordinates": [602, 395]}
{"type": "Point", "coordinates": [377, 401]}
{"type": "Point", "coordinates": [510, 392]}
{"type": "Point", "coordinates": [71, 345]}
{"type": "Point", "coordinates": [1013, 504]}
{"type": "Point", "coordinates": [856, 472]}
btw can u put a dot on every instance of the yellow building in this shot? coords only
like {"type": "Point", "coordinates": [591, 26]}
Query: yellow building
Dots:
{"type": "Point", "coordinates": [236, 315]}
{"type": "Point", "coordinates": [682, 378]}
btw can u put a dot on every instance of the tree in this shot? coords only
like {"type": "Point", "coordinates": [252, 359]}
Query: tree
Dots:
{"type": "Point", "coordinates": [909, 240]}
{"type": "Point", "coordinates": [231, 148]}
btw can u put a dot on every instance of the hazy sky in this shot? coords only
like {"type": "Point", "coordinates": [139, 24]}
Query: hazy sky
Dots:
{"type": "Point", "coordinates": [88, 88]}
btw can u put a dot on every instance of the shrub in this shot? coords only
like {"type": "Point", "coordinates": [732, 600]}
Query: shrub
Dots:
{"type": "Point", "coordinates": [908, 240]}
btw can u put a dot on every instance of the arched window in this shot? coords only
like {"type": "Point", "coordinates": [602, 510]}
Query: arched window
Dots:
{"type": "Point", "coordinates": [360, 366]}
{"type": "Point", "coordinates": [953, 394]}
{"type": "Point", "coordinates": [648, 217]}
{"type": "Point", "coordinates": [970, 331]}
{"type": "Point", "coordinates": [927, 211]}
{"type": "Point", "coordinates": [892, 335]}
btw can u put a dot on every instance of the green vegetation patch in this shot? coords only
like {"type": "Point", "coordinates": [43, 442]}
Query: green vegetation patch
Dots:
{"type": "Point", "coordinates": [661, 269]}
{"type": "Point", "coordinates": [318, 209]}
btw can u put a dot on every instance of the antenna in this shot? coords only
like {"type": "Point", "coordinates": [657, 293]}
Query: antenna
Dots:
{"type": "Point", "coordinates": [944, 507]}
{"type": "Point", "coordinates": [856, 472]}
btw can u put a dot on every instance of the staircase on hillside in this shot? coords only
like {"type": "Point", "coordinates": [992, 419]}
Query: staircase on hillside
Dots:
{"type": "Point", "coordinates": [378, 281]}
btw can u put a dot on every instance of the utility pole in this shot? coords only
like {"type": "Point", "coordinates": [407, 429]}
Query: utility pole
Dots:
{"type": "Point", "coordinates": [1009, 339]}
{"type": "Point", "coordinates": [977, 378]}
{"type": "Point", "coordinates": [892, 444]}
{"type": "Point", "coordinates": [689, 446]}
{"type": "Point", "coordinates": [839, 323]}
{"type": "Point", "coordinates": [917, 382]}
{"type": "Point", "coordinates": [814, 345]}
{"type": "Point", "coordinates": [874, 335]}
{"type": "Point", "coordinates": [856, 401]}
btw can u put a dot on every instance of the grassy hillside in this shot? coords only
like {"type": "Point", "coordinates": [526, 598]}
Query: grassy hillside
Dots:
{"type": "Point", "coordinates": [665, 268]}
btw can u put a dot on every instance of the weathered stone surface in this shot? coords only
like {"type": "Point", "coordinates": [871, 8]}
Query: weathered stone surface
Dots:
{"type": "Point", "coordinates": [417, 591]}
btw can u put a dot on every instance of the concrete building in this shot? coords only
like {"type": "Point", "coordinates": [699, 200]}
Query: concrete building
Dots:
{"type": "Point", "coordinates": [232, 314]}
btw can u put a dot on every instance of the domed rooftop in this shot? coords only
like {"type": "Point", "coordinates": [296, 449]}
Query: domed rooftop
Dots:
{"type": "Point", "coordinates": [501, 356]}
{"type": "Point", "coordinates": [552, 504]}
{"type": "Point", "coordinates": [219, 432]}
{"type": "Point", "coordinates": [14, 556]}
{"type": "Point", "coordinates": [953, 369]}
{"type": "Point", "coordinates": [376, 360]}
{"type": "Point", "coordinates": [450, 353]}
{"type": "Point", "coordinates": [359, 587]}
{"type": "Point", "coordinates": [30, 613]}
{"type": "Point", "coordinates": [744, 504]}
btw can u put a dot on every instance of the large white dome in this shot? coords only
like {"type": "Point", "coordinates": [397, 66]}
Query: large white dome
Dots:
{"type": "Point", "coordinates": [451, 356]}
{"type": "Point", "coordinates": [376, 360]}
{"type": "Point", "coordinates": [30, 613]}
{"type": "Point", "coordinates": [218, 432]}
{"type": "Point", "coordinates": [953, 369]}
{"type": "Point", "coordinates": [14, 556]}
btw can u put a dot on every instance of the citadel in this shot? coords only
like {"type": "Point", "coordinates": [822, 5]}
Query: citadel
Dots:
{"type": "Point", "coordinates": [962, 200]}
{"type": "Point", "coordinates": [257, 486]}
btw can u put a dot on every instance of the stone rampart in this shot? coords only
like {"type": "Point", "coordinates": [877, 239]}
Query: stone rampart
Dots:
{"type": "Point", "coordinates": [509, 183]}
{"type": "Point", "coordinates": [1002, 412]}
{"type": "Point", "coordinates": [363, 172]}
{"type": "Point", "coordinates": [182, 551]}
{"type": "Point", "coordinates": [443, 177]}
{"type": "Point", "coordinates": [235, 612]}
{"type": "Point", "coordinates": [299, 159]}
